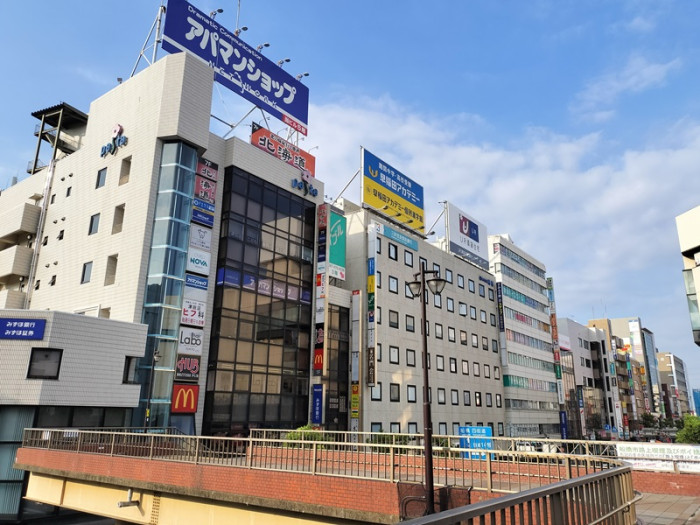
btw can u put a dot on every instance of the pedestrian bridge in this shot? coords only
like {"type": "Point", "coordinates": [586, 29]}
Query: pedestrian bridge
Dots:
{"type": "Point", "coordinates": [322, 477]}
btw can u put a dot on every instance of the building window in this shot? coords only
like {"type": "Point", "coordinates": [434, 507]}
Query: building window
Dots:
{"type": "Point", "coordinates": [394, 392]}
{"type": "Point", "coordinates": [462, 309]}
{"type": "Point", "coordinates": [52, 281]}
{"type": "Point", "coordinates": [395, 428]}
{"type": "Point", "coordinates": [87, 271]}
{"type": "Point", "coordinates": [376, 392]}
{"type": "Point", "coordinates": [410, 323]}
{"type": "Point", "coordinates": [487, 371]}
{"type": "Point", "coordinates": [441, 396]}
{"type": "Point", "coordinates": [475, 341]}
{"type": "Point", "coordinates": [490, 294]}
{"type": "Point", "coordinates": [44, 363]}
{"type": "Point", "coordinates": [465, 367]}
{"type": "Point", "coordinates": [482, 290]}
{"type": "Point", "coordinates": [94, 224]}
{"type": "Point", "coordinates": [440, 363]}
{"type": "Point", "coordinates": [378, 350]}
{"type": "Point", "coordinates": [437, 300]}
{"type": "Point", "coordinates": [450, 334]}
{"type": "Point", "coordinates": [454, 397]}
{"type": "Point", "coordinates": [53, 198]}
{"type": "Point", "coordinates": [453, 365]}
{"type": "Point", "coordinates": [68, 190]}
{"type": "Point", "coordinates": [422, 262]}
{"type": "Point", "coordinates": [485, 343]}
{"type": "Point", "coordinates": [460, 281]}
{"type": "Point", "coordinates": [476, 369]}
{"type": "Point", "coordinates": [379, 245]}
{"type": "Point", "coordinates": [442, 428]}
{"type": "Point", "coordinates": [500, 429]}
{"type": "Point", "coordinates": [393, 319]}
{"type": "Point", "coordinates": [448, 275]}
{"type": "Point", "coordinates": [408, 258]}
{"type": "Point", "coordinates": [45, 241]}
{"type": "Point", "coordinates": [477, 399]}
{"type": "Point", "coordinates": [378, 279]}
{"type": "Point", "coordinates": [375, 427]}
{"type": "Point", "coordinates": [130, 370]}
{"type": "Point", "coordinates": [438, 331]}
{"type": "Point", "coordinates": [450, 304]}
{"type": "Point", "coordinates": [482, 315]}
{"type": "Point", "coordinates": [472, 288]}
{"type": "Point", "coordinates": [125, 171]}
{"type": "Point", "coordinates": [498, 401]}
{"type": "Point", "coordinates": [111, 271]}
{"type": "Point", "coordinates": [467, 398]}
{"type": "Point", "coordinates": [497, 372]}
{"type": "Point", "coordinates": [436, 268]}
{"type": "Point", "coordinates": [463, 337]}
{"type": "Point", "coordinates": [493, 319]}
{"type": "Point", "coordinates": [378, 314]}
{"type": "Point", "coordinates": [407, 290]}
{"type": "Point", "coordinates": [413, 428]}
{"type": "Point", "coordinates": [118, 220]}
{"type": "Point", "coordinates": [101, 178]}
{"type": "Point", "coordinates": [393, 284]}
{"type": "Point", "coordinates": [394, 354]}
{"type": "Point", "coordinates": [393, 252]}
{"type": "Point", "coordinates": [60, 235]}
{"type": "Point", "coordinates": [472, 312]}
{"type": "Point", "coordinates": [494, 346]}
{"type": "Point", "coordinates": [411, 393]}
{"type": "Point", "coordinates": [410, 357]}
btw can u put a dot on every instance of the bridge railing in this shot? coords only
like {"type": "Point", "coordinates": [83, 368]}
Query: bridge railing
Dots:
{"type": "Point", "coordinates": [508, 466]}
{"type": "Point", "coordinates": [605, 497]}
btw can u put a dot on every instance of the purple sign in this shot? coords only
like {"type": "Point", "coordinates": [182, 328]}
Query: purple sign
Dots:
{"type": "Point", "coordinates": [236, 65]}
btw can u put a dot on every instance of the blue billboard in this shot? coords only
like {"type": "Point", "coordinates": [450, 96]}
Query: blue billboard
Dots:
{"type": "Point", "coordinates": [475, 437]}
{"type": "Point", "coordinates": [237, 66]}
{"type": "Point", "coordinates": [13, 328]}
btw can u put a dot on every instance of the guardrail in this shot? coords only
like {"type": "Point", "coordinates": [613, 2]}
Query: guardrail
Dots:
{"type": "Point", "coordinates": [392, 458]}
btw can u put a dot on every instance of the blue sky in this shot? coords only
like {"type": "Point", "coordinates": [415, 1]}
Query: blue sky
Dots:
{"type": "Point", "coordinates": [572, 125]}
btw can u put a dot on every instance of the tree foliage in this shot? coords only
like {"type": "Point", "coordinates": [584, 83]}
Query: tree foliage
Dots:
{"type": "Point", "coordinates": [690, 433]}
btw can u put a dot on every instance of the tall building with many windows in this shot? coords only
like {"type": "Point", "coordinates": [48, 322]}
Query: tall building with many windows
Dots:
{"type": "Point", "coordinates": [533, 389]}
{"type": "Point", "coordinates": [464, 365]}
{"type": "Point", "coordinates": [140, 214]}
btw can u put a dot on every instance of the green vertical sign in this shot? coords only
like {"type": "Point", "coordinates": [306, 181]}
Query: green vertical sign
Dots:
{"type": "Point", "coordinates": [336, 245]}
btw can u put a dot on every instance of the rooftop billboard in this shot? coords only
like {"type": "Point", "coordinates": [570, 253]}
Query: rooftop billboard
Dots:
{"type": "Point", "coordinates": [467, 237]}
{"type": "Point", "coordinates": [387, 189]}
{"type": "Point", "coordinates": [237, 66]}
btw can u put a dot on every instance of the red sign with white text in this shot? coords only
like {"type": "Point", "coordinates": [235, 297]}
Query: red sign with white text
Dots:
{"type": "Point", "coordinates": [283, 150]}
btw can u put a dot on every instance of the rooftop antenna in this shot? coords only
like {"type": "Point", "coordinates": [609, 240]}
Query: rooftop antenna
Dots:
{"type": "Point", "coordinates": [346, 187]}
{"type": "Point", "coordinates": [156, 25]}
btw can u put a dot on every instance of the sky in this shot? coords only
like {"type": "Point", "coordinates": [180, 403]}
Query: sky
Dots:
{"type": "Point", "coordinates": [572, 125]}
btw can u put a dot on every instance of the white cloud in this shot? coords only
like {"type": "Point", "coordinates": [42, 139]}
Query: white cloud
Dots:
{"type": "Point", "coordinates": [604, 228]}
{"type": "Point", "coordinates": [594, 102]}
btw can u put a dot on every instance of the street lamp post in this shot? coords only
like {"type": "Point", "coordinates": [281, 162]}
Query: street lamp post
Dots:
{"type": "Point", "coordinates": [154, 360]}
{"type": "Point", "coordinates": [418, 288]}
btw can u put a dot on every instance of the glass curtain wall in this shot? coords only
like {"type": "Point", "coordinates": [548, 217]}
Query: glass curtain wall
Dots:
{"type": "Point", "coordinates": [259, 356]}
{"type": "Point", "coordinates": [166, 279]}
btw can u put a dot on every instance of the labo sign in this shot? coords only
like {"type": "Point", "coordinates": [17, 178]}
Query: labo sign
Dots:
{"type": "Point", "coordinates": [191, 341]}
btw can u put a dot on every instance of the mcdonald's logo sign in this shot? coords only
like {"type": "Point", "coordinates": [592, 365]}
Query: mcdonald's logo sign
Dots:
{"type": "Point", "coordinates": [185, 399]}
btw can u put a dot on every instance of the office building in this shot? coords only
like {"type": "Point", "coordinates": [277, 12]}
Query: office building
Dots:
{"type": "Point", "coordinates": [534, 393]}
{"type": "Point", "coordinates": [674, 382]}
{"type": "Point", "coordinates": [466, 384]}
{"type": "Point", "coordinates": [584, 391]}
